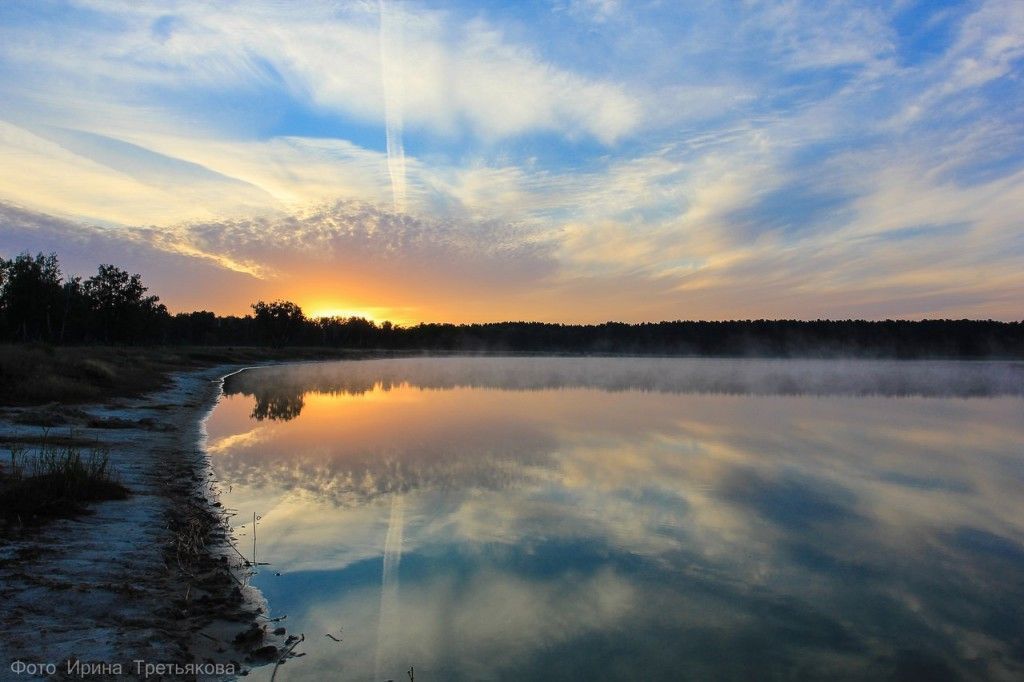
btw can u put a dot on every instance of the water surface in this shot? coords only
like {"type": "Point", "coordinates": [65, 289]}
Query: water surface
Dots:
{"type": "Point", "coordinates": [596, 518]}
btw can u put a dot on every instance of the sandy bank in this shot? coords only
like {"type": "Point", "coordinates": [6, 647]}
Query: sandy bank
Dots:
{"type": "Point", "coordinates": [148, 578]}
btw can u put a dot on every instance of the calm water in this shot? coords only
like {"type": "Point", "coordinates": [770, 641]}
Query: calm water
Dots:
{"type": "Point", "coordinates": [590, 519]}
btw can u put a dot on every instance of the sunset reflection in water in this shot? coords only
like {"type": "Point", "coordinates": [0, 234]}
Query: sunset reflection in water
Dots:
{"type": "Point", "coordinates": [598, 518]}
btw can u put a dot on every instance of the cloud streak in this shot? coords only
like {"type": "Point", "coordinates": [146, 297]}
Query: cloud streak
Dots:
{"type": "Point", "coordinates": [391, 59]}
{"type": "Point", "coordinates": [605, 161]}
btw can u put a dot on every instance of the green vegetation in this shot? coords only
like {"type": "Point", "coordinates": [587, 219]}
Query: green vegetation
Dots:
{"type": "Point", "coordinates": [55, 482]}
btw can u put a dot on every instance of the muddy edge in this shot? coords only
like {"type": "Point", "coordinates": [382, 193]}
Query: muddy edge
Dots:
{"type": "Point", "coordinates": [225, 618]}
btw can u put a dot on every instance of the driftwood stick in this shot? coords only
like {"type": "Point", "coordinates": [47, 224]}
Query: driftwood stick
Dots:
{"type": "Point", "coordinates": [286, 654]}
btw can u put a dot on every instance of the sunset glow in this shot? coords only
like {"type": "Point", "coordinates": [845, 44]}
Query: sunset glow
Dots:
{"type": "Point", "coordinates": [573, 161]}
{"type": "Point", "coordinates": [374, 314]}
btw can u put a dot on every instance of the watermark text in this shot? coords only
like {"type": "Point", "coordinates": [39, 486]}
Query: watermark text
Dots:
{"type": "Point", "coordinates": [139, 668]}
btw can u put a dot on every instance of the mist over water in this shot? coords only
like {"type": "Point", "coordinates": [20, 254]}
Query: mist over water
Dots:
{"type": "Point", "coordinates": [623, 518]}
{"type": "Point", "coordinates": [668, 375]}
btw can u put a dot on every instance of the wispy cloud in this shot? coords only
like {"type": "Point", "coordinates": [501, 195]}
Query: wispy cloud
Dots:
{"type": "Point", "coordinates": [603, 160]}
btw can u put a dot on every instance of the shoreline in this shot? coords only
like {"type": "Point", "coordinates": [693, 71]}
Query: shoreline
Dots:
{"type": "Point", "coordinates": [153, 577]}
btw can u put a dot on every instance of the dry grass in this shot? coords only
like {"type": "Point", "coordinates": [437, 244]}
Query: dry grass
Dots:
{"type": "Point", "coordinates": [37, 374]}
{"type": "Point", "coordinates": [32, 375]}
{"type": "Point", "coordinates": [55, 481]}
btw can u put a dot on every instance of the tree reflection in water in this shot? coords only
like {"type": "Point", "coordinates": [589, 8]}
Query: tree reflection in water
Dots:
{"type": "Point", "coordinates": [277, 405]}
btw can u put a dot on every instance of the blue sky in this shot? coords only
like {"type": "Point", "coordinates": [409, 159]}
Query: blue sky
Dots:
{"type": "Point", "coordinates": [566, 160]}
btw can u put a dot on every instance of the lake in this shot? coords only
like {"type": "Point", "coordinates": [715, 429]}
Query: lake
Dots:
{"type": "Point", "coordinates": [626, 518]}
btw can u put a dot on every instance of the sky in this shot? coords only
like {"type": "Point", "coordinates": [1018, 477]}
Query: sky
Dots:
{"type": "Point", "coordinates": [571, 160]}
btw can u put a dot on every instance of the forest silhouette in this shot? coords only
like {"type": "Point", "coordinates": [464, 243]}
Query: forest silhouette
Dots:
{"type": "Point", "coordinates": [39, 304]}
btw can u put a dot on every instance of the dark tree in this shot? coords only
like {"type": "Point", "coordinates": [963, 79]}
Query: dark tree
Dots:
{"type": "Point", "coordinates": [279, 322]}
{"type": "Point", "coordinates": [75, 312]}
{"type": "Point", "coordinates": [30, 296]}
{"type": "Point", "coordinates": [198, 328]}
{"type": "Point", "coordinates": [121, 310]}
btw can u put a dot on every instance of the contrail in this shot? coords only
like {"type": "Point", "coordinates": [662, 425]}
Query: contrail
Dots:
{"type": "Point", "coordinates": [388, 621]}
{"type": "Point", "coordinates": [391, 76]}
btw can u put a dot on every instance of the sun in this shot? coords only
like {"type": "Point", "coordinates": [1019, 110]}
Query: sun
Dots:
{"type": "Point", "coordinates": [327, 311]}
{"type": "Point", "coordinates": [374, 314]}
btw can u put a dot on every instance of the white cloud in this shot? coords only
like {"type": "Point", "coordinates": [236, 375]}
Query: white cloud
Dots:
{"type": "Point", "coordinates": [454, 73]}
{"type": "Point", "coordinates": [675, 177]}
{"type": "Point", "coordinates": [817, 35]}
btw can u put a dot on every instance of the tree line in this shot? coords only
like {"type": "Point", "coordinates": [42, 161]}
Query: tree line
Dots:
{"type": "Point", "coordinates": [38, 303]}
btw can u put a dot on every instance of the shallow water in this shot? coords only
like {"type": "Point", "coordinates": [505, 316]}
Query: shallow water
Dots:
{"type": "Point", "coordinates": [596, 518]}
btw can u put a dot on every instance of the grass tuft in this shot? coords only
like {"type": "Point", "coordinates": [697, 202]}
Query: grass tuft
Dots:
{"type": "Point", "coordinates": [55, 482]}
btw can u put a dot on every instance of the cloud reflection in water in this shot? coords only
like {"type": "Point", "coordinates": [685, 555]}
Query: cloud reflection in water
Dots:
{"type": "Point", "coordinates": [620, 518]}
